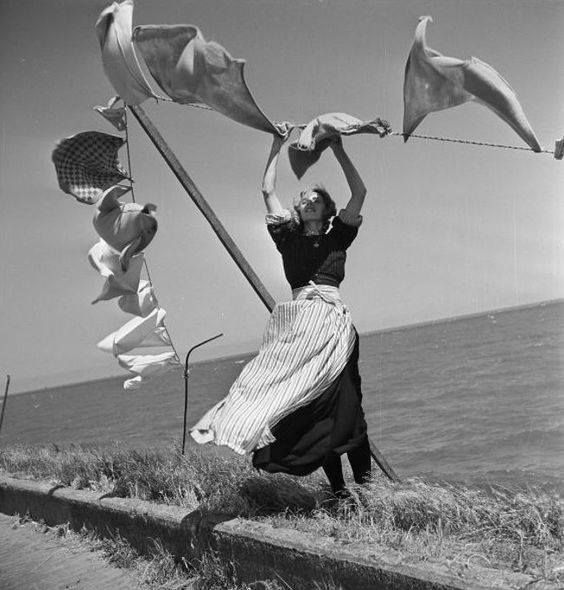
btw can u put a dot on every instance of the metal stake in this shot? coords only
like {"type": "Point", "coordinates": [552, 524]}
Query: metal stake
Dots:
{"type": "Point", "coordinates": [186, 376]}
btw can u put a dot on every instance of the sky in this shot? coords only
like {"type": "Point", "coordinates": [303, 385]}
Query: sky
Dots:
{"type": "Point", "coordinates": [449, 229]}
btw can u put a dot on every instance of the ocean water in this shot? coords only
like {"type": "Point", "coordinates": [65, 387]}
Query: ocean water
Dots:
{"type": "Point", "coordinates": [473, 399]}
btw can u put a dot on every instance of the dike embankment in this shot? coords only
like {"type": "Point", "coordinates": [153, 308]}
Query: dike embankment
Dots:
{"type": "Point", "coordinates": [257, 550]}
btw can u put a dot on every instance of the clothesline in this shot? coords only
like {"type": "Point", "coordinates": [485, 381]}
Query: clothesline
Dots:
{"type": "Point", "coordinates": [470, 142]}
{"type": "Point", "coordinates": [145, 263]}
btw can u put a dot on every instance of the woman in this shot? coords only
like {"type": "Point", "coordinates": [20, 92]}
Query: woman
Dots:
{"type": "Point", "coordinates": [297, 405]}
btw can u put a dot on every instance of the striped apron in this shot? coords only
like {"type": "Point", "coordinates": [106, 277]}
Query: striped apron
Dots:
{"type": "Point", "coordinates": [306, 345]}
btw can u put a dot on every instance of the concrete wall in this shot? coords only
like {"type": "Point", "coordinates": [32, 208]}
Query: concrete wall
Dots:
{"type": "Point", "coordinates": [257, 550]}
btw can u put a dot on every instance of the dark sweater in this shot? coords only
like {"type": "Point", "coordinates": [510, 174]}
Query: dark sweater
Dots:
{"type": "Point", "coordinates": [320, 259]}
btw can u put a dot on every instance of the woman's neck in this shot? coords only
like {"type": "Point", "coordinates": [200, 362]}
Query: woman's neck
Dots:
{"type": "Point", "coordinates": [313, 227]}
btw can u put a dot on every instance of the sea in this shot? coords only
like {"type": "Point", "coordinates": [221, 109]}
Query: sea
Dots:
{"type": "Point", "coordinates": [477, 399]}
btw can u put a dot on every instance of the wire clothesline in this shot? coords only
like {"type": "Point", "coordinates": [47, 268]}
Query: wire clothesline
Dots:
{"type": "Point", "coordinates": [145, 264]}
{"type": "Point", "coordinates": [471, 142]}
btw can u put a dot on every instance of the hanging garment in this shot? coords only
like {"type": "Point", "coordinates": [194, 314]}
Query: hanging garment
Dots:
{"type": "Point", "coordinates": [120, 62]}
{"type": "Point", "coordinates": [114, 115]}
{"type": "Point", "coordinates": [87, 164]}
{"type": "Point", "coordinates": [118, 282]}
{"type": "Point", "coordinates": [147, 365]}
{"type": "Point", "coordinates": [138, 332]}
{"type": "Point", "coordinates": [141, 303]}
{"type": "Point", "coordinates": [126, 227]}
{"type": "Point", "coordinates": [318, 133]}
{"type": "Point", "coordinates": [434, 82]}
{"type": "Point", "coordinates": [306, 345]}
{"type": "Point", "coordinates": [194, 71]}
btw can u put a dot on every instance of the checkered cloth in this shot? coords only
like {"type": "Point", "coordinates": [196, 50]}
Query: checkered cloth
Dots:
{"type": "Point", "coordinates": [87, 164]}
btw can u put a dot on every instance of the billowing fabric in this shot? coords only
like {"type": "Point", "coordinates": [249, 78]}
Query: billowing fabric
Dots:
{"type": "Point", "coordinates": [434, 82]}
{"type": "Point", "coordinates": [307, 344]}
{"type": "Point", "coordinates": [141, 303]}
{"type": "Point", "coordinates": [148, 365]}
{"type": "Point", "coordinates": [87, 164]}
{"type": "Point", "coordinates": [332, 424]}
{"type": "Point", "coordinates": [121, 65]}
{"type": "Point", "coordinates": [194, 71]}
{"type": "Point", "coordinates": [114, 115]}
{"type": "Point", "coordinates": [127, 227]}
{"type": "Point", "coordinates": [318, 133]}
{"type": "Point", "coordinates": [138, 332]}
{"type": "Point", "coordinates": [118, 282]}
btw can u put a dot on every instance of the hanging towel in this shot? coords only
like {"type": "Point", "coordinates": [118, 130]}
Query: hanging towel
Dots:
{"type": "Point", "coordinates": [118, 282]}
{"type": "Point", "coordinates": [146, 365]}
{"type": "Point", "coordinates": [126, 227]}
{"type": "Point", "coordinates": [138, 332]}
{"type": "Point", "coordinates": [112, 114]}
{"type": "Point", "coordinates": [194, 71]}
{"type": "Point", "coordinates": [120, 62]}
{"type": "Point", "coordinates": [86, 164]}
{"type": "Point", "coordinates": [318, 133]}
{"type": "Point", "coordinates": [141, 303]}
{"type": "Point", "coordinates": [434, 82]}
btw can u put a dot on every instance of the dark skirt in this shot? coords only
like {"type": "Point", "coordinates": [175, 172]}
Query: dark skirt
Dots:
{"type": "Point", "coordinates": [330, 425]}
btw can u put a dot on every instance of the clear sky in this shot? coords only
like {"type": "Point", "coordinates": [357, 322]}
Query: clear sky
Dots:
{"type": "Point", "coordinates": [449, 229]}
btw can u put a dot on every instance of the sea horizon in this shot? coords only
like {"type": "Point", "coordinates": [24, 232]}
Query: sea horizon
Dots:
{"type": "Point", "coordinates": [249, 349]}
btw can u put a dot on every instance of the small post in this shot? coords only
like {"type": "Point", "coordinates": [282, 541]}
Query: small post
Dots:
{"type": "Point", "coordinates": [4, 400]}
{"type": "Point", "coordinates": [186, 376]}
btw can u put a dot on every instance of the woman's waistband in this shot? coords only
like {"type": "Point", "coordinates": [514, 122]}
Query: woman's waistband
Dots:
{"type": "Point", "coordinates": [328, 293]}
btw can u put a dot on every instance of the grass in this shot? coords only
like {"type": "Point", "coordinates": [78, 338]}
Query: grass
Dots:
{"type": "Point", "coordinates": [519, 530]}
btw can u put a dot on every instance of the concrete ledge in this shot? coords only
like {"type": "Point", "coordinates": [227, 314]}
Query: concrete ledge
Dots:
{"type": "Point", "coordinates": [257, 550]}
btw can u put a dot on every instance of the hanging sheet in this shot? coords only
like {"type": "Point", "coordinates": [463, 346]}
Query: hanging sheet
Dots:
{"type": "Point", "coordinates": [194, 71]}
{"type": "Point", "coordinates": [146, 365]}
{"type": "Point", "coordinates": [118, 282]}
{"type": "Point", "coordinates": [127, 227]}
{"type": "Point", "coordinates": [318, 134]}
{"type": "Point", "coordinates": [136, 333]}
{"type": "Point", "coordinates": [141, 303]}
{"type": "Point", "coordinates": [120, 62]}
{"type": "Point", "coordinates": [86, 164]}
{"type": "Point", "coordinates": [434, 82]}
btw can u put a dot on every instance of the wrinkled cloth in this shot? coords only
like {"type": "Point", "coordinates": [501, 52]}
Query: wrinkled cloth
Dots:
{"type": "Point", "coordinates": [86, 164]}
{"type": "Point", "coordinates": [141, 303]}
{"type": "Point", "coordinates": [306, 345]}
{"type": "Point", "coordinates": [138, 332]}
{"type": "Point", "coordinates": [194, 71]}
{"type": "Point", "coordinates": [120, 62]}
{"type": "Point", "coordinates": [114, 115]}
{"type": "Point", "coordinates": [118, 282]}
{"type": "Point", "coordinates": [126, 227]}
{"type": "Point", "coordinates": [147, 365]}
{"type": "Point", "coordinates": [317, 135]}
{"type": "Point", "coordinates": [434, 82]}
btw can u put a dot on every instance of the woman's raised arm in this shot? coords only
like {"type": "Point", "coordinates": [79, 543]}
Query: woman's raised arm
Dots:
{"type": "Point", "coordinates": [358, 190]}
{"type": "Point", "coordinates": [269, 179]}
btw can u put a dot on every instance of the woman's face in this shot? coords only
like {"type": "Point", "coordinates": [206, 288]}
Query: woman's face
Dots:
{"type": "Point", "coordinates": [311, 206]}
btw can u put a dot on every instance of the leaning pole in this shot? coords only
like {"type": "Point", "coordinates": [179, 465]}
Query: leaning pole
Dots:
{"type": "Point", "coordinates": [194, 193]}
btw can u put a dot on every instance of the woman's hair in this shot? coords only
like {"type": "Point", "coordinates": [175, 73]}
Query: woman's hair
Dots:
{"type": "Point", "coordinates": [330, 207]}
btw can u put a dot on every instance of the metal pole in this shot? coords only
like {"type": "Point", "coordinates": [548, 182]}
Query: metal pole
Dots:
{"type": "Point", "coordinates": [186, 376]}
{"type": "Point", "coordinates": [4, 400]}
{"type": "Point", "coordinates": [196, 196]}
{"type": "Point", "coordinates": [178, 170]}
